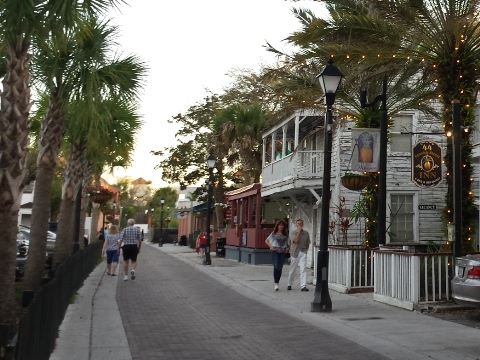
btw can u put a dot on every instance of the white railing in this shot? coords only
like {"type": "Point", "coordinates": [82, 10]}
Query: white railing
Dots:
{"type": "Point", "coordinates": [299, 164]}
{"type": "Point", "coordinates": [279, 171]}
{"type": "Point", "coordinates": [350, 269]}
{"type": "Point", "coordinates": [309, 164]}
{"type": "Point", "coordinates": [407, 279]}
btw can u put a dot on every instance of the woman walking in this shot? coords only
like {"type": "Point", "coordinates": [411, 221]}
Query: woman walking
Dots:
{"type": "Point", "coordinates": [277, 241]}
{"type": "Point", "coordinates": [110, 247]}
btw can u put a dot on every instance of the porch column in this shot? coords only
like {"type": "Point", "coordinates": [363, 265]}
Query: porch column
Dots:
{"type": "Point", "coordinates": [273, 147]}
{"type": "Point", "coordinates": [264, 144]}
{"type": "Point", "coordinates": [297, 131]}
{"type": "Point", "coordinates": [284, 140]}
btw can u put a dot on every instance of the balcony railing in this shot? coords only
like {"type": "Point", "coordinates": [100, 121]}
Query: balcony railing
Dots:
{"type": "Point", "coordinates": [298, 165]}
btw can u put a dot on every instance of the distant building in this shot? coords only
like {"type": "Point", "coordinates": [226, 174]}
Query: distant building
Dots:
{"type": "Point", "coordinates": [140, 187]}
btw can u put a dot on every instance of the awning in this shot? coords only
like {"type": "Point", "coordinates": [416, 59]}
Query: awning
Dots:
{"type": "Point", "coordinates": [200, 207]}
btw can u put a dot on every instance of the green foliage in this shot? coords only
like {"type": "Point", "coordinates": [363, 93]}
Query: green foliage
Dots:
{"type": "Point", "coordinates": [367, 207]}
{"type": "Point", "coordinates": [170, 196]}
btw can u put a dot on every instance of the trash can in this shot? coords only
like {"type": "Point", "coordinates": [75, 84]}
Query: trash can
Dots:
{"type": "Point", "coordinates": [221, 242]}
{"type": "Point", "coordinates": [182, 241]}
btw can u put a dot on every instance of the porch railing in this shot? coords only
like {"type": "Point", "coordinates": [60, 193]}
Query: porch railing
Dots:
{"type": "Point", "coordinates": [350, 269]}
{"type": "Point", "coordinates": [407, 279]}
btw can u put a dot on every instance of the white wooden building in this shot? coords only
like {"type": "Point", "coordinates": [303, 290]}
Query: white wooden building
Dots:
{"type": "Point", "coordinates": [293, 173]}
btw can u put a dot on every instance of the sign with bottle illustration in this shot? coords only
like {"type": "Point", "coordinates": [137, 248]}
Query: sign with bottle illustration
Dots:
{"type": "Point", "coordinates": [366, 149]}
{"type": "Point", "coordinates": [427, 164]}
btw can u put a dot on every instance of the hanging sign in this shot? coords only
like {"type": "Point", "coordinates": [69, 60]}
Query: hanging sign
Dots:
{"type": "Point", "coordinates": [366, 149]}
{"type": "Point", "coordinates": [427, 164]}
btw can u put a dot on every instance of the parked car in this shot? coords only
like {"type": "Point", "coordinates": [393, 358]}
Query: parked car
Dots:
{"type": "Point", "coordinates": [23, 242]}
{"type": "Point", "coordinates": [466, 283]}
{"type": "Point", "coordinates": [51, 238]}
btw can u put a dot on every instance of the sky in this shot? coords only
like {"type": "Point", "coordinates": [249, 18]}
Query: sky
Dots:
{"type": "Point", "coordinates": [189, 46]}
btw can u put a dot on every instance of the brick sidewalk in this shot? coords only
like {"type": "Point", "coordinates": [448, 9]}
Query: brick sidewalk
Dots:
{"type": "Point", "coordinates": [173, 311]}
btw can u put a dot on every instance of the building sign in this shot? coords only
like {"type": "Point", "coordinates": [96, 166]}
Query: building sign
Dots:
{"type": "Point", "coordinates": [427, 164]}
{"type": "Point", "coordinates": [366, 149]}
{"type": "Point", "coordinates": [427, 207]}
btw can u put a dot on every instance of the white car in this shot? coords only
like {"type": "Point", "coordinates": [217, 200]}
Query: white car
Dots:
{"type": "Point", "coordinates": [466, 283]}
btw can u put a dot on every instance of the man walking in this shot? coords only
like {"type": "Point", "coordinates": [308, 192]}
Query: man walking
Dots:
{"type": "Point", "coordinates": [132, 239]}
{"type": "Point", "coordinates": [299, 243]}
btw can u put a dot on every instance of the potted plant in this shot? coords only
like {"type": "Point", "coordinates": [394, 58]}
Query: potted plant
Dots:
{"type": "Point", "coordinates": [99, 195]}
{"type": "Point", "coordinates": [355, 181]}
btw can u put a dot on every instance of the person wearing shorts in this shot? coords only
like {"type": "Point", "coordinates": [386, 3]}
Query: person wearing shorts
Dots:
{"type": "Point", "coordinates": [131, 238]}
{"type": "Point", "coordinates": [110, 247]}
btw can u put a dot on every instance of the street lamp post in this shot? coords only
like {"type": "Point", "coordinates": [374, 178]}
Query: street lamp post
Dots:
{"type": "Point", "coordinates": [152, 210]}
{"type": "Point", "coordinates": [76, 221]}
{"type": "Point", "coordinates": [160, 241]}
{"type": "Point", "coordinates": [457, 179]}
{"type": "Point", "coordinates": [329, 78]}
{"type": "Point", "coordinates": [114, 211]}
{"type": "Point", "coordinates": [210, 163]}
{"type": "Point", "coordinates": [167, 221]}
{"type": "Point", "coordinates": [382, 176]}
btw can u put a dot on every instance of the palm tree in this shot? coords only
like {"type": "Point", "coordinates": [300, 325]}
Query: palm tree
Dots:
{"type": "Point", "coordinates": [61, 54]}
{"type": "Point", "coordinates": [122, 124]}
{"type": "Point", "coordinates": [438, 40]}
{"type": "Point", "coordinates": [239, 128]}
{"type": "Point", "coordinates": [21, 19]}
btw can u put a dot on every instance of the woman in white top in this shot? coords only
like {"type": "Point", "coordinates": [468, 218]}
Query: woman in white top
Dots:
{"type": "Point", "coordinates": [110, 247]}
{"type": "Point", "coordinates": [277, 241]}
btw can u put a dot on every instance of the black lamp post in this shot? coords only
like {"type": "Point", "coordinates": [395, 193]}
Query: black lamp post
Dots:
{"type": "Point", "coordinates": [382, 176]}
{"type": "Point", "coordinates": [329, 78]}
{"type": "Point", "coordinates": [457, 179]}
{"type": "Point", "coordinates": [160, 241]}
{"type": "Point", "coordinates": [211, 163]}
{"type": "Point", "coordinates": [76, 221]}
{"type": "Point", "coordinates": [114, 211]}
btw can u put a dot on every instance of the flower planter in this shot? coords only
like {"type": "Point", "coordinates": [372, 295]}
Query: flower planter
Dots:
{"type": "Point", "coordinates": [100, 198]}
{"type": "Point", "coordinates": [355, 182]}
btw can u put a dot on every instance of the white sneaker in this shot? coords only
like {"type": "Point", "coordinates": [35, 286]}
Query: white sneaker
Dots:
{"type": "Point", "coordinates": [125, 278]}
{"type": "Point", "coordinates": [133, 274]}
{"type": "Point", "coordinates": [276, 287]}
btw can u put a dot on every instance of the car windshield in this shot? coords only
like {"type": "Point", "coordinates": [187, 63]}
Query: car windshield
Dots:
{"type": "Point", "coordinates": [26, 231]}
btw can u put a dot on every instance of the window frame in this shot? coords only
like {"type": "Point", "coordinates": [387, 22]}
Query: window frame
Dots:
{"type": "Point", "coordinates": [415, 220]}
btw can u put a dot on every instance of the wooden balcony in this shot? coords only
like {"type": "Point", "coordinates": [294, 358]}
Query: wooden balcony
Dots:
{"type": "Point", "coordinates": [299, 165]}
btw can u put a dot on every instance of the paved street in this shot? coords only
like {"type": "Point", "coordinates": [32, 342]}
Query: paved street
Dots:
{"type": "Point", "coordinates": [178, 308]}
{"type": "Point", "coordinates": [173, 311]}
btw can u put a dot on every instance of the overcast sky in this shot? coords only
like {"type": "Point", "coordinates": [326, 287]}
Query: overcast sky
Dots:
{"type": "Point", "coordinates": [190, 46]}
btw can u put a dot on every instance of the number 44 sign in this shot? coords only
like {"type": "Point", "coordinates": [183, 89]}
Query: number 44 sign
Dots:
{"type": "Point", "coordinates": [427, 164]}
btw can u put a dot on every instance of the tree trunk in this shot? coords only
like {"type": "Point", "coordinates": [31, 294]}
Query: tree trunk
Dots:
{"type": "Point", "coordinates": [72, 181]}
{"type": "Point", "coordinates": [64, 242]}
{"type": "Point", "coordinates": [51, 134]}
{"type": "Point", "coordinates": [14, 128]}
{"type": "Point", "coordinates": [95, 214]}
{"type": "Point", "coordinates": [83, 215]}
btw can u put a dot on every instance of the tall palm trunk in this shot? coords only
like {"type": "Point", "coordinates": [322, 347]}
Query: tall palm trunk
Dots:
{"type": "Point", "coordinates": [95, 214]}
{"type": "Point", "coordinates": [71, 183]}
{"type": "Point", "coordinates": [14, 127]}
{"type": "Point", "coordinates": [51, 134]}
{"type": "Point", "coordinates": [83, 210]}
